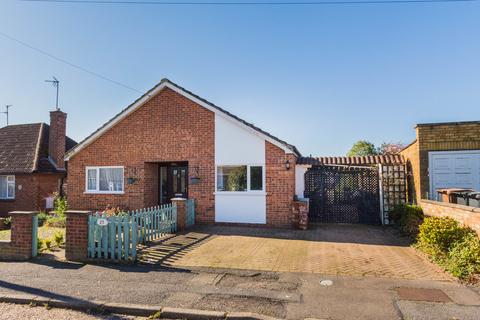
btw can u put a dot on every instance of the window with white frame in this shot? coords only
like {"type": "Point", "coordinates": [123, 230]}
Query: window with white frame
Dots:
{"type": "Point", "coordinates": [240, 178]}
{"type": "Point", "coordinates": [104, 179]}
{"type": "Point", "coordinates": [7, 187]}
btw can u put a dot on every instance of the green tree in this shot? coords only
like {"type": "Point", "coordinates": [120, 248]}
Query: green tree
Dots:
{"type": "Point", "coordinates": [362, 148]}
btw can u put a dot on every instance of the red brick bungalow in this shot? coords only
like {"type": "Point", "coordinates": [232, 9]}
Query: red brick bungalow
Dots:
{"type": "Point", "coordinates": [32, 165]}
{"type": "Point", "coordinates": [172, 143]}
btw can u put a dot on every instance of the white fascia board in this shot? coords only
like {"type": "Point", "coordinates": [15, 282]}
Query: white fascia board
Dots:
{"type": "Point", "coordinates": [154, 92]}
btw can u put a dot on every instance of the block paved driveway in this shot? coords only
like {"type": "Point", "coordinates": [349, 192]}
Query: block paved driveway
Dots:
{"type": "Point", "coordinates": [352, 250]}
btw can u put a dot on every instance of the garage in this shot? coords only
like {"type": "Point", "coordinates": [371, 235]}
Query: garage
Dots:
{"type": "Point", "coordinates": [454, 169]}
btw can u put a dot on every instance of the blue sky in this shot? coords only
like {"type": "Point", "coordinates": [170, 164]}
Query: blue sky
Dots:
{"type": "Point", "coordinates": [318, 77]}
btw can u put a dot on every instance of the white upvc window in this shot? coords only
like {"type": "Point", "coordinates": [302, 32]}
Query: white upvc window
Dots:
{"type": "Point", "coordinates": [240, 178]}
{"type": "Point", "coordinates": [7, 187]}
{"type": "Point", "coordinates": [104, 179]}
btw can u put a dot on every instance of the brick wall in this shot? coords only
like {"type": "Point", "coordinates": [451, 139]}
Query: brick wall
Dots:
{"type": "Point", "coordinates": [280, 186]}
{"type": "Point", "coordinates": [34, 189]}
{"type": "Point", "coordinates": [20, 245]}
{"type": "Point", "coordinates": [411, 155]}
{"type": "Point", "coordinates": [468, 216]}
{"type": "Point", "coordinates": [438, 137]}
{"type": "Point", "coordinates": [169, 127]}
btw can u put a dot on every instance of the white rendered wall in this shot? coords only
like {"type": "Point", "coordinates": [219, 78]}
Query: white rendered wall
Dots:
{"type": "Point", "coordinates": [240, 208]}
{"type": "Point", "coordinates": [236, 146]}
{"type": "Point", "coordinates": [300, 179]}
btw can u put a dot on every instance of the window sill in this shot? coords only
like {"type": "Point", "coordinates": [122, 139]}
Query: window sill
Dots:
{"type": "Point", "coordinates": [104, 192]}
{"type": "Point", "coordinates": [7, 199]}
{"type": "Point", "coordinates": [240, 193]}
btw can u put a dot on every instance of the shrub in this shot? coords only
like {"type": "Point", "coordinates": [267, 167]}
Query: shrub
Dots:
{"type": "Point", "coordinates": [56, 221]}
{"type": "Point", "coordinates": [58, 238]}
{"type": "Point", "coordinates": [464, 256]}
{"type": "Point", "coordinates": [48, 243]}
{"type": "Point", "coordinates": [7, 221]}
{"type": "Point", "coordinates": [407, 218]}
{"type": "Point", "coordinates": [437, 235]}
{"type": "Point", "coordinates": [42, 217]}
{"type": "Point", "coordinates": [39, 244]}
{"type": "Point", "coordinates": [60, 204]}
{"type": "Point", "coordinates": [114, 211]}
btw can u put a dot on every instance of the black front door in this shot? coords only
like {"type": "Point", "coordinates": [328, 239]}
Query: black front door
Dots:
{"type": "Point", "coordinates": [177, 182]}
{"type": "Point", "coordinates": [173, 183]}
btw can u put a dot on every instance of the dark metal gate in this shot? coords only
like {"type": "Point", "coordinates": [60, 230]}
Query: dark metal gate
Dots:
{"type": "Point", "coordinates": [343, 194]}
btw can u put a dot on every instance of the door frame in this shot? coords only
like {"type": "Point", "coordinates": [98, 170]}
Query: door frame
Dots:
{"type": "Point", "coordinates": [169, 167]}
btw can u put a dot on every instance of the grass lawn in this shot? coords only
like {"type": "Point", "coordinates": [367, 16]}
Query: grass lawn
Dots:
{"type": "Point", "coordinates": [44, 232]}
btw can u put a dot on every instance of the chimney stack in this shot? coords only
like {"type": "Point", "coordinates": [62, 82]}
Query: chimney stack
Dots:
{"type": "Point", "coordinates": [56, 137]}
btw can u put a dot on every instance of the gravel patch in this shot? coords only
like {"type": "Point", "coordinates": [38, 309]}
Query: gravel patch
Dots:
{"type": "Point", "coordinates": [267, 281]}
{"type": "Point", "coordinates": [228, 303]}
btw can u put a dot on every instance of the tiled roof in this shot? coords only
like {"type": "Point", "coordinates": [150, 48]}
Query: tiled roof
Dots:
{"type": "Point", "coordinates": [24, 148]}
{"type": "Point", "coordinates": [167, 81]}
{"type": "Point", "coordinates": [353, 161]}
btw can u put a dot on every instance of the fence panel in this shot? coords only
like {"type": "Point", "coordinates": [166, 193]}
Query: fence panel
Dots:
{"type": "Point", "coordinates": [153, 223]}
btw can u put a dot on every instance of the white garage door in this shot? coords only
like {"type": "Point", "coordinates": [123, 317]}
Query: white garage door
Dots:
{"type": "Point", "coordinates": [454, 169]}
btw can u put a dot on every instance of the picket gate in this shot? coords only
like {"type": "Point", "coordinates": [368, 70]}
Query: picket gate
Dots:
{"type": "Point", "coordinates": [116, 237]}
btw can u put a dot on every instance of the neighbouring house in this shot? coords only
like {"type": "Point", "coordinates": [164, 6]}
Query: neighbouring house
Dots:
{"type": "Point", "coordinates": [172, 143]}
{"type": "Point", "coordinates": [32, 165]}
{"type": "Point", "coordinates": [444, 155]}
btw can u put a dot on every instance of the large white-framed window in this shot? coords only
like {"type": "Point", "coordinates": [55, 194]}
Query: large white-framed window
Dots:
{"type": "Point", "coordinates": [7, 187]}
{"type": "Point", "coordinates": [243, 178]}
{"type": "Point", "coordinates": [105, 179]}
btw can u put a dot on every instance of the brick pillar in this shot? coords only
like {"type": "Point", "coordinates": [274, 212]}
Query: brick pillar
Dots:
{"type": "Point", "coordinates": [300, 214]}
{"type": "Point", "coordinates": [21, 236]}
{"type": "Point", "coordinates": [181, 212]}
{"type": "Point", "coordinates": [76, 242]}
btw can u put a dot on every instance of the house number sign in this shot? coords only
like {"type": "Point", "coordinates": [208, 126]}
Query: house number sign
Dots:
{"type": "Point", "coordinates": [102, 222]}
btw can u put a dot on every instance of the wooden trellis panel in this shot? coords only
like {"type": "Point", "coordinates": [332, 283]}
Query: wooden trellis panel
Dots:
{"type": "Point", "coordinates": [394, 187]}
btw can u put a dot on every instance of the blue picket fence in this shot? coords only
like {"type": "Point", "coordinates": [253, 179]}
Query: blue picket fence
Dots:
{"type": "Point", "coordinates": [190, 208]}
{"type": "Point", "coordinates": [116, 237]}
{"type": "Point", "coordinates": [155, 222]}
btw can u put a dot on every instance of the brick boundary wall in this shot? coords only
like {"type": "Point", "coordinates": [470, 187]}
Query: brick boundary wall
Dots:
{"type": "Point", "coordinates": [76, 240]}
{"type": "Point", "coordinates": [19, 247]}
{"type": "Point", "coordinates": [468, 216]}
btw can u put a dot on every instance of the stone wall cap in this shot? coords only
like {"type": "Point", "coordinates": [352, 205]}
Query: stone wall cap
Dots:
{"type": "Point", "coordinates": [23, 212]}
{"type": "Point", "coordinates": [179, 199]}
{"type": "Point", "coordinates": [450, 205]}
{"type": "Point", "coordinates": [78, 211]}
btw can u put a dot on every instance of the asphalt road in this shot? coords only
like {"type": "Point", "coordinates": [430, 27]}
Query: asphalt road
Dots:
{"type": "Point", "coordinates": [282, 295]}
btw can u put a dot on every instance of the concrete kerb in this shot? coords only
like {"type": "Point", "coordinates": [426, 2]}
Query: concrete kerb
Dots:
{"type": "Point", "coordinates": [131, 309]}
